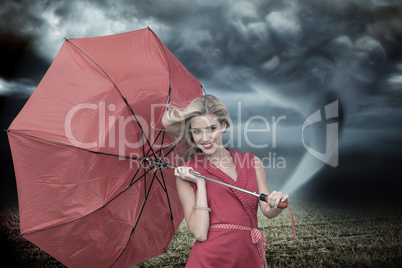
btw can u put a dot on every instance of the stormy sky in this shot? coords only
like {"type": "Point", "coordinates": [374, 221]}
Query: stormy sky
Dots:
{"type": "Point", "coordinates": [268, 61]}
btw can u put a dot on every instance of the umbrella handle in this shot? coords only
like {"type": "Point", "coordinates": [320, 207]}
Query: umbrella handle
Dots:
{"type": "Point", "coordinates": [281, 204]}
{"type": "Point", "coordinates": [262, 197]}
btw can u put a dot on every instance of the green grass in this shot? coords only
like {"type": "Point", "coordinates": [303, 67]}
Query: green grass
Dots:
{"type": "Point", "coordinates": [326, 237]}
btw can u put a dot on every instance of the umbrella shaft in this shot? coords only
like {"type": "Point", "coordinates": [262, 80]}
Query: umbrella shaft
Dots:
{"type": "Point", "coordinates": [166, 165]}
{"type": "Point", "coordinates": [225, 184]}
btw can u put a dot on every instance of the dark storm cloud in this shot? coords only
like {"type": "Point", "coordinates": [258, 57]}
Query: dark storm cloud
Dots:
{"type": "Point", "coordinates": [18, 16]}
{"type": "Point", "coordinates": [232, 42]}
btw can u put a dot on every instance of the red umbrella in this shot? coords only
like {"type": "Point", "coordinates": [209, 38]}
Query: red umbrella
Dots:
{"type": "Point", "coordinates": [86, 194]}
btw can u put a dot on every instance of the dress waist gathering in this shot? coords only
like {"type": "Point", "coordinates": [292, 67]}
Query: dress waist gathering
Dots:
{"type": "Point", "coordinates": [257, 237]}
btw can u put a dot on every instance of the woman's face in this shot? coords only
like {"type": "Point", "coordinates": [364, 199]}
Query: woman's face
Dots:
{"type": "Point", "coordinates": [207, 133]}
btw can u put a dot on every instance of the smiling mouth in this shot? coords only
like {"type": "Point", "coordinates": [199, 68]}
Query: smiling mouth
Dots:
{"type": "Point", "coordinates": [207, 145]}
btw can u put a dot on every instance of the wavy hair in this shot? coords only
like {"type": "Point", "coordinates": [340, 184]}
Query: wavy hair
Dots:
{"type": "Point", "coordinates": [177, 122]}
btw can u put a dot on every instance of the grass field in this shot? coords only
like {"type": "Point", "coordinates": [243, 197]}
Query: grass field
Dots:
{"type": "Point", "coordinates": [327, 236]}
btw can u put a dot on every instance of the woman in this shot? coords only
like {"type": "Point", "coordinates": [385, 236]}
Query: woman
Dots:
{"type": "Point", "coordinates": [223, 220]}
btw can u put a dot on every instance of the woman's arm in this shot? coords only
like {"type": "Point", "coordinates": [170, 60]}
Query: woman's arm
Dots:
{"type": "Point", "coordinates": [269, 209]}
{"type": "Point", "coordinates": [197, 219]}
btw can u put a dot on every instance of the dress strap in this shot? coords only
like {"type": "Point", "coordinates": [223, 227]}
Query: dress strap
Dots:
{"type": "Point", "coordinates": [257, 238]}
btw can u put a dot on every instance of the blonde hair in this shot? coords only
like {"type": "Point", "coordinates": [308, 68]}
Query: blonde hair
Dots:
{"type": "Point", "coordinates": [177, 122]}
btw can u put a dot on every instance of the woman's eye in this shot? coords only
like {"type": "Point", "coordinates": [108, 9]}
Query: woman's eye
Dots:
{"type": "Point", "coordinates": [195, 131]}
{"type": "Point", "coordinates": [211, 128]}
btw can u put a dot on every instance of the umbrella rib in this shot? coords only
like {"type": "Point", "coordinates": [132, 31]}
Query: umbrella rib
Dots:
{"type": "Point", "coordinates": [73, 146]}
{"type": "Point", "coordinates": [95, 64]}
{"type": "Point", "coordinates": [168, 199]}
{"type": "Point", "coordinates": [142, 160]}
{"type": "Point", "coordinates": [164, 182]}
{"type": "Point", "coordinates": [147, 154]}
{"type": "Point", "coordinates": [157, 136]}
{"type": "Point", "coordinates": [138, 219]}
{"type": "Point", "coordinates": [145, 159]}
{"type": "Point", "coordinates": [168, 63]}
{"type": "Point", "coordinates": [163, 178]}
{"type": "Point", "coordinates": [143, 144]}
{"type": "Point", "coordinates": [115, 86]}
{"type": "Point", "coordinates": [159, 152]}
{"type": "Point", "coordinates": [203, 89]}
{"type": "Point", "coordinates": [160, 183]}
{"type": "Point", "coordinates": [163, 138]}
{"type": "Point", "coordinates": [135, 175]}
{"type": "Point", "coordinates": [163, 148]}
{"type": "Point", "coordinates": [155, 152]}
{"type": "Point", "coordinates": [173, 147]}
{"type": "Point", "coordinates": [167, 196]}
{"type": "Point", "coordinates": [164, 187]}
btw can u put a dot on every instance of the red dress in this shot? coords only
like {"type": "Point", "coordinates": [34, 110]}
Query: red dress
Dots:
{"type": "Point", "coordinates": [225, 247]}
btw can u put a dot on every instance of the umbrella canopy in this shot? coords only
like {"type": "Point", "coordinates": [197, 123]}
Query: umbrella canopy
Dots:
{"type": "Point", "coordinates": [84, 196]}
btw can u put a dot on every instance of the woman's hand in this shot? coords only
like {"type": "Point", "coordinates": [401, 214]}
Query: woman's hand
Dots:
{"type": "Point", "coordinates": [274, 198]}
{"type": "Point", "coordinates": [184, 174]}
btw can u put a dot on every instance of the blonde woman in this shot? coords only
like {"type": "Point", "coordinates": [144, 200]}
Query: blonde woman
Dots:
{"type": "Point", "coordinates": [223, 220]}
